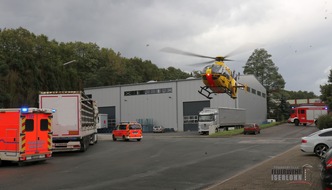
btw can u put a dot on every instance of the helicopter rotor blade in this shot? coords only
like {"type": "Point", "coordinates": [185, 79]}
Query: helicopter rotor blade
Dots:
{"type": "Point", "coordinates": [242, 49]}
{"type": "Point", "coordinates": [202, 63]}
{"type": "Point", "coordinates": [228, 59]}
{"type": "Point", "coordinates": [180, 52]}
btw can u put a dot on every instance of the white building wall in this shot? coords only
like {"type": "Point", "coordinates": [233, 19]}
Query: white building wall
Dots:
{"type": "Point", "coordinates": [254, 103]}
{"type": "Point", "coordinates": [160, 107]}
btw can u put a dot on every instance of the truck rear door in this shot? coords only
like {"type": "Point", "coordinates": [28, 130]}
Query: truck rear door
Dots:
{"type": "Point", "coordinates": [36, 127]}
{"type": "Point", "coordinates": [66, 119]}
{"type": "Point", "coordinates": [9, 132]}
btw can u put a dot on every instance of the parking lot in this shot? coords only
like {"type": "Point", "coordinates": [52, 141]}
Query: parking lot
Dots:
{"type": "Point", "coordinates": [178, 160]}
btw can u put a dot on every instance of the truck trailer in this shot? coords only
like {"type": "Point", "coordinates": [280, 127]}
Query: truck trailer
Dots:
{"type": "Point", "coordinates": [222, 118]}
{"type": "Point", "coordinates": [74, 121]}
{"type": "Point", "coordinates": [25, 135]}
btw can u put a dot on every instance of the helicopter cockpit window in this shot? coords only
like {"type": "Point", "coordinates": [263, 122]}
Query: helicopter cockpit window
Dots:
{"type": "Point", "coordinates": [205, 68]}
{"type": "Point", "coordinates": [217, 69]}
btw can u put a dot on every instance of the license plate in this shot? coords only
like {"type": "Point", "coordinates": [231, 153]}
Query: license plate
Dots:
{"type": "Point", "coordinates": [60, 144]}
{"type": "Point", "coordinates": [35, 157]}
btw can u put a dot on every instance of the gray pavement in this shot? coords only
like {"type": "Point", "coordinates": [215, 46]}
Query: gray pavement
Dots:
{"type": "Point", "coordinates": [259, 177]}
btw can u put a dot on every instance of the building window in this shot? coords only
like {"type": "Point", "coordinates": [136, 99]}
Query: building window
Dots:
{"type": "Point", "coordinates": [253, 91]}
{"type": "Point", "coordinates": [248, 88]}
{"type": "Point", "coordinates": [259, 93]}
{"type": "Point", "coordinates": [148, 91]}
{"type": "Point", "coordinates": [263, 95]}
{"type": "Point", "coordinates": [190, 119]}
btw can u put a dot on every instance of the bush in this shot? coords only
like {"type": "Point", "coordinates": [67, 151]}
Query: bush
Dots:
{"type": "Point", "coordinates": [325, 121]}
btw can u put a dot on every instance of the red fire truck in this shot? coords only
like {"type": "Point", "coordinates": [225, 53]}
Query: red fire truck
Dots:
{"type": "Point", "coordinates": [306, 114]}
{"type": "Point", "coordinates": [25, 135]}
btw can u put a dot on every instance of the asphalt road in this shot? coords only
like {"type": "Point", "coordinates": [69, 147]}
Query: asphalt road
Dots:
{"type": "Point", "coordinates": [160, 161]}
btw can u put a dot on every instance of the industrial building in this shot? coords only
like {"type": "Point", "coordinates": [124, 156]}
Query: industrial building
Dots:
{"type": "Point", "coordinates": [174, 104]}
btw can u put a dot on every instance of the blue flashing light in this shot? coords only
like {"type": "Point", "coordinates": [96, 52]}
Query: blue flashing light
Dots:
{"type": "Point", "coordinates": [24, 110]}
{"type": "Point", "coordinates": [53, 110]}
{"type": "Point", "coordinates": [325, 107]}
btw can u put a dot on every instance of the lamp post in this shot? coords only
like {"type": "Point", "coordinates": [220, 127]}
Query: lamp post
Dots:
{"type": "Point", "coordinates": [72, 61]}
{"type": "Point", "coordinates": [80, 81]}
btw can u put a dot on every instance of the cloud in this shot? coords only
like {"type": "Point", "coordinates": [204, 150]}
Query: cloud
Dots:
{"type": "Point", "coordinates": [295, 33]}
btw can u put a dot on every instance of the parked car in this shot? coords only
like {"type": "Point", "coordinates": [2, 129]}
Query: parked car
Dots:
{"type": "Point", "coordinates": [326, 170]}
{"type": "Point", "coordinates": [318, 142]}
{"type": "Point", "coordinates": [127, 131]}
{"type": "Point", "coordinates": [252, 128]}
{"type": "Point", "coordinates": [158, 129]}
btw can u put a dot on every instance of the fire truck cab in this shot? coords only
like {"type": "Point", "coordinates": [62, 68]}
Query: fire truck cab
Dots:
{"type": "Point", "coordinates": [25, 135]}
{"type": "Point", "coordinates": [306, 114]}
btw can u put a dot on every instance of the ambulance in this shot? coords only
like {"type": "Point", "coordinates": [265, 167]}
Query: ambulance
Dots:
{"type": "Point", "coordinates": [25, 135]}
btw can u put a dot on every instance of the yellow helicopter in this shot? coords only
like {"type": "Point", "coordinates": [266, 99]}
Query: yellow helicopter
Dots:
{"type": "Point", "coordinates": [217, 77]}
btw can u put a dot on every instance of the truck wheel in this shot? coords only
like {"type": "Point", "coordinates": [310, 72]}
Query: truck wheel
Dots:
{"type": "Point", "coordinates": [138, 139]}
{"type": "Point", "coordinates": [85, 144]}
{"type": "Point", "coordinates": [113, 137]}
{"type": "Point", "coordinates": [304, 124]}
{"type": "Point", "coordinates": [93, 139]}
{"type": "Point", "coordinates": [297, 122]}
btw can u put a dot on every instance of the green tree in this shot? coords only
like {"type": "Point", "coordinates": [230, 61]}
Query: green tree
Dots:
{"type": "Point", "coordinates": [325, 121]}
{"type": "Point", "coordinates": [326, 91]}
{"type": "Point", "coordinates": [300, 94]}
{"type": "Point", "coordinates": [31, 63]}
{"type": "Point", "coordinates": [262, 67]}
{"type": "Point", "coordinates": [283, 109]}
{"type": "Point", "coordinates": [172, 73]}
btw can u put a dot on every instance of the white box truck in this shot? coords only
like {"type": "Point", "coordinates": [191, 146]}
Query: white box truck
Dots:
{"type": "Point", "coordinates": [215, 119]}
{"type": "Point", "coordinates": [74, 120]}
{"type": "Point", "coordinates": [102, 122]}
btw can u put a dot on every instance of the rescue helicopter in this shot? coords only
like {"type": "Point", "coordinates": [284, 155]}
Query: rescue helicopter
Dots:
{"type": "Point", "coordinates": [217, 77]}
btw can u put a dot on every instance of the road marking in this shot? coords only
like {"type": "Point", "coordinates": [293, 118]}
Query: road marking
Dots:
{"type": "Point", "coordinates": [263, 141]}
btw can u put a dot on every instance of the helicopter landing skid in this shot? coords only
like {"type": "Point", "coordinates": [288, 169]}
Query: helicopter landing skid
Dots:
{"type": "Point", "coordinates": [205, 89]}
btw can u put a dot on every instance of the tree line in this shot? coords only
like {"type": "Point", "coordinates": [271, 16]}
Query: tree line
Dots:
{"type": "Point", "coordinates": [31, 63]}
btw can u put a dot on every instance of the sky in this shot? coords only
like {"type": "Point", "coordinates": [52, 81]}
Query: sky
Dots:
{"type": "Point", "coordinates": [296, 33]}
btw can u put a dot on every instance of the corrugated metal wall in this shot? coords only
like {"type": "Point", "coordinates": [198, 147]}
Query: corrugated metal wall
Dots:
{"type": "Point", "coordinates": [162, 102]}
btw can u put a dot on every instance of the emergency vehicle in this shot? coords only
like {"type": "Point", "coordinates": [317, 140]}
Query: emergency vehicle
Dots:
{"type": "Point", "coordinates": [127, 131]}
{"type": "Point", "coordinates": [25, 135]}
{"type": "Point", "coordinates": [306, 114]}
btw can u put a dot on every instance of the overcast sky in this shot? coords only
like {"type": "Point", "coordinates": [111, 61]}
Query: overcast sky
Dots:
{"type": "Point", "coordinates": [297, 33]}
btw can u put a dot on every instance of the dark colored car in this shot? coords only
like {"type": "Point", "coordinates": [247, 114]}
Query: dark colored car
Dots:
{"type": "Point", "coordinates": [252, 128]}
{"type": "Point", "coordinates": [326, 171]}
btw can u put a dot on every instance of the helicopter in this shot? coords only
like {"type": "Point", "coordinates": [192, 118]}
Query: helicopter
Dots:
{"type": "Point", "coordinates": [217, 77]}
